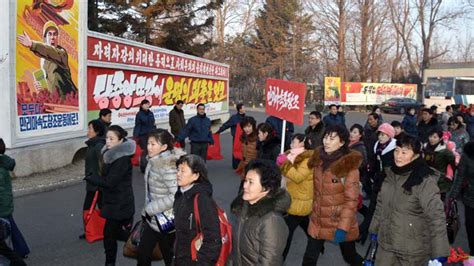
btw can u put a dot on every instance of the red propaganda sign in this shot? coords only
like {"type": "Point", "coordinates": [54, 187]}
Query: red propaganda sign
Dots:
{"type": "Point", "coordinates": [285, 100]}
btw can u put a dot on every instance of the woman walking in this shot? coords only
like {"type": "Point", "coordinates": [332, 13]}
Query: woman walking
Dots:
{"type": "Point", "coordinates": [249, 143]}
{"type": "Point", "coordinates": [268, 146]}
{"type": "Point", "coordinates": [118, 204]}
{"type": "Point", "coordinates": [144, 124]}
{"type": "Point", "coordinates": [336, 191]}
{"type": "Point", "coordinates": [409, 122]}
{"type": "Point", "coordinates": [459, 134]}
{"type": "Point", "coordinates": [261, 225]}
{"type": "Point", "coordinates": [160, 188]}
{"type": "Point", "coordinates": [409, 222]}
{"type": "Point", "coordinates": [193, 182]}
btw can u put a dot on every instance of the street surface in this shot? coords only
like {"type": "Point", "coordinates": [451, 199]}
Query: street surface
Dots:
{"type": "Point", "coordinates": [52, 221]}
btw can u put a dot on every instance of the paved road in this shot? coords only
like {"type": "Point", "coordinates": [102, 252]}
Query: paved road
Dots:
{"type": "Point", "coordinates": [51, 221]}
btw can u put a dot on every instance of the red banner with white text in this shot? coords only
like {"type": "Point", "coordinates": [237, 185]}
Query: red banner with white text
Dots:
{"type": "Point", "coordinates": [362, 93]}
{"type": "Point", "coordinates": [285, 100]}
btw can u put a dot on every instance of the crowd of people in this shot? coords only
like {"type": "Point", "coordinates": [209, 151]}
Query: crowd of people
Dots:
{"type": "Point", "coordinates": [407, 171]}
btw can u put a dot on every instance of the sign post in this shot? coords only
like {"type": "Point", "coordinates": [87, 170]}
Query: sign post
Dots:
{"type": "Point", "coordinates": [285, 100]}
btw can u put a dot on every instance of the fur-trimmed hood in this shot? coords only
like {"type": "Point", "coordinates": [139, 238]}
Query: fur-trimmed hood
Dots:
{"type": "Point", "coordinates": [166, 158]}
{"type": "Point", "coordinates": [440, 147]}
{"type": "Point", "coordinates": [280, 202]}
{"type": "Point", "coordinates": [126, 148]}
{"type": "Point", "coordinates": [342, 166]}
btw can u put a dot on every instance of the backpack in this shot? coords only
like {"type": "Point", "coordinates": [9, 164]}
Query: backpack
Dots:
{"type": "Point", "coordinates": [226, 235]}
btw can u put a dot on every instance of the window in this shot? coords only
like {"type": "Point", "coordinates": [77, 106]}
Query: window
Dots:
{"type": "Point", "coordinates": [442, 87]}
{"type": "Point", "coordinates": [464, 87]}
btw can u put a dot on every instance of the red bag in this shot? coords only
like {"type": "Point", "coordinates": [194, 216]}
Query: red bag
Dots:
{"type": "Point", "coordinates": [214, 151]}
{"type": "Point", "coordinates": [136, 156]}
{"type": "Point", "coordinates": [226, 235]}
{"type": "Point", "coordinates": [93, 222]}
{"type": "Point", "coordinates": [237, 149]}
{"type": "Point", "coordinates": [177, 144]}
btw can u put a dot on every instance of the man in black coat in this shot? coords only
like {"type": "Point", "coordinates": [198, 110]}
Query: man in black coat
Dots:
{"type": "Point", "coordinates": [427, 124]}
{"type": "Point", "coordinates": [177, 121]}
{"type": "Point", "coordinates": [232, 123]}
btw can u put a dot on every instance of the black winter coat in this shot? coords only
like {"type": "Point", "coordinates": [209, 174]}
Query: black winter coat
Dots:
{"type": "Point", "coordinates": [315, 135]}
{"type": "Point", "coordinates": [268, 150]}
{"type": "Point", "coordinates": [94, 163]}
{"type": "Point", "coordinates": [116, 182]}
{"type": "Point", "coordinates": [144, 123]}
{"type": "Point", "coordinates": [425, 128]}
{"type": "Point", "coordinates": [381, 162]}
{"type": "Point", "coordinates": [186, 226]}
{"type": "Point", "coordinates": [464, 180]}
{"type": "Point", "coordinates": [177, 121]}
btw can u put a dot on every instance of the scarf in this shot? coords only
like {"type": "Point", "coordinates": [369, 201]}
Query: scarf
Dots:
{"type": "Point", "coordinates": [294, 153]}
{"type": "Point", "coordinates": [352, 142]}
{"type": "Point", "coordinates": [381, 147]}
{"type": "Point", "coordinates": [419, 171]}
{"type": "Point", "coordinates": [328, 159]}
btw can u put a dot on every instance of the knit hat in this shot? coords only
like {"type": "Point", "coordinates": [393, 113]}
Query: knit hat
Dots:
{"type": "Point", "coordinates": [387, 129]}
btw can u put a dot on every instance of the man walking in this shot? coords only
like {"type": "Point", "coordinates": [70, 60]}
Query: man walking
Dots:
{"type": "Point", "coordinates": [232, 123]}
{"type": "Point", "coordinates": [176, 120]}
{"type": "Point", "coordinates": [334, 117]}
{"type": "Point", "coordinates": [198, 129]}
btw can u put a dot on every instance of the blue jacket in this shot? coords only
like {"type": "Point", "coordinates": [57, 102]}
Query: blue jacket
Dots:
{"type": "Point", "coordinates": [409, 125]}
{"type": "Point", "coordinates": [144, 123]}
{"type": "Point", "coordinates": [331, 119]}
{"type": "Point", "coordinates": [277, 125]}
{"type": "Point", "coordinates": [198, 129]}
{"type": "Point", "coordinates": [233, 121]}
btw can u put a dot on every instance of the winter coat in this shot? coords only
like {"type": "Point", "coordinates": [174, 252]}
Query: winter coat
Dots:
{"type": "Point", "coordinates": [439, 160]}
{"type": "Point", "coordinates": [7, 164]}
{"type": "Point", "coordinates": [445, 116]}
{"type": "Point", "coordinates": [299, 183]}
{"type": "Point", "coordinates": [409, 125]}
{"type": "Point", "coordinates": [424, 129]}
{"type": "Point", "coordinates": [116, 182]}
{"type": "Point", "coordinates": [198, 129]}
{"type": "Point", "coordinates": [362, 149]}
{"type": "Point", "coordinates": [410, 223]}
{"type": "Point", "coordinates": [185, 224]}
{"type": "Point", "coordinates": [93, 162]}
{"type": "Point", "coordinates": [379, 163]}
{"type": "Point", "coordinates": [470, 125]}
{"type": "Point", "coordinates": [335, 199]}
{"type": "Point", "coordinates": [315, 135]}
{"type": "Point", "coordinates": [249, 153]}
{"type": "Point", "coordinates": [233, 121]}
{"type": "Point", "coordinates": [330, 120]}
{"type": "Point", "coordinates": [277, 125]}
{"type": "Point", "coordinates": [460, 137]}
{"type": "Point", "coordinates": [176, 121]}
{"type": "Point", "coordinates": [371, 136]}
{"type": "Point", "coordinates": [260, 230]}
{"type": "Point", "coordinates": [144, 123]}
{"type": "Point", "coordinates": [268, 150]}
{"type": "Point", "coordinates": [160, 184]}
{"type": "Point", "coordinates": [464, 181]}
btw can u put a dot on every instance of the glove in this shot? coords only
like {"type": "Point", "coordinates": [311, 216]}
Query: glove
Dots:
{"type": "Point", "coordinates": [373, 237]}
{"type": "Point", "coordinates": [437, 262]}
{"type": "Point", "coordinates": [340, 236]}
{"type": "Point", "coordinates": [281, 159]}
{"type": "Point", "coordinates": [441, 259]}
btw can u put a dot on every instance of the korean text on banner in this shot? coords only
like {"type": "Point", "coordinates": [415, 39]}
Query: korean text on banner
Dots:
{"type": "Point", "coordinates": [285, 99]}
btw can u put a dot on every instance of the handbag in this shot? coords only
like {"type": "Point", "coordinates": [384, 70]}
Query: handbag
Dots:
{"type": "Point", "coordinates": [452, 220]}
{"type": "Point", "coordinates": [130, 249]}
{"type": "Point", "coordinates": [93, 223]}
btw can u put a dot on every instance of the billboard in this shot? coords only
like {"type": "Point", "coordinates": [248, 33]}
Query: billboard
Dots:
{"type": "Point", "coordinates": [47, 66]}
{"type": "Point", "coordinates": [285, 100]}
{"type": "Point", "coordinates": [332, 90]}
{"type": "Point", "coordinates": [362, 93]}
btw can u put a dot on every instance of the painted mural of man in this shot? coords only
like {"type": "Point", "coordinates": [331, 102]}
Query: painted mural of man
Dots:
{"type": "Point", "coordinates": [54, 59]}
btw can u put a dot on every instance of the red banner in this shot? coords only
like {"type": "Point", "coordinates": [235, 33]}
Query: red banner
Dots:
{"type": "Point", "coordinates": [285, 100]}
{"type": "Point", "coordinates": [103, 50]}
{"type": "Point", "coordinates": [361, 93]}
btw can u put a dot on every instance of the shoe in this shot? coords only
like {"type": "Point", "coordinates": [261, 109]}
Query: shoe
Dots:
{"type": "Point", "coordinates": [83, 236]}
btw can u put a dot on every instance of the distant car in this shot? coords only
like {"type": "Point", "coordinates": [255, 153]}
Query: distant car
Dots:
{"type": "Point", "coordinates": [399, 105]}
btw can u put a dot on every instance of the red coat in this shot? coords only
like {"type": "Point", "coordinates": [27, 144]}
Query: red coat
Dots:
{"type": "Point", "coordinates": [336, 191]}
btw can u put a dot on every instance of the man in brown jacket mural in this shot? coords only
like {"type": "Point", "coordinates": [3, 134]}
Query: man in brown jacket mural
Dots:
{"type": "Point", "coordinates": [54, 59]}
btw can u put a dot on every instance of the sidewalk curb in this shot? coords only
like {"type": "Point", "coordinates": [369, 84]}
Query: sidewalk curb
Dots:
{"type": "Point", "coordinates": [21, 192]}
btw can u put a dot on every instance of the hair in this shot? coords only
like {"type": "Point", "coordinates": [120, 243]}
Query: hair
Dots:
{"type": "Point", "coordinates": [163, 137]}
{"type": "Point", "coordinates": [422, 105]}
{"type": "Point", "coordinates": [428, 110]}
{"type": "Point", "coordinates": [454, 119]}
{"type": "Point", "coordinates": [197, 165]}
{"type": "Point", "coordinates": [299, 136]}
{"type": "Point", "coordinates": [239, 106]}
{"type": "Point", "coordinates": [341, 132]}
{"type": "Point", "coordinates": [449, 108]}
{"type": "Point", "coordinates": [2, 146]}
{"type": "Point", "coordinates": [438, 131]}
{"type": "Point", "coordinates": [119, 131]}
{"type": "Point", "coordinates": [460, 115]}
{"type": "Point", "coordinates": [270, 174]}
{"type": "Point", "coordinates": [375, 108]}
{"type": "Point", "coordinates": [411, 142]}
{"type": "Point", "coordinates": [360, 128]}
{"type": "Point", "coordinates": [179, 102]}
{"type": "Point", "coordinates": [199, 105]}
{"type": "Point", "coordinates": [103, 112]}
{"type": "Point", "coordinates": [266, 128]}
{"type": "Point", "coordinates": [396, 124]}
{"type": "Point", "coordinates": [316, 113]}
{"type": "Point", "coordinates": [411, 108]}
{"type": "Point", "coordinates": [248, 120]}
{"type": "Point", "coordinates": [98, 127]}
{"type": "Point", "coordinates": [374, 115]}
{"type": "Point", "coordinates": [434, 107]}
{"type": "Point", "coordinates": [332, 105]}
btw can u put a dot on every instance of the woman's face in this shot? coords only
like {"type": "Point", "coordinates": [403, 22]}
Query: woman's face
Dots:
{"type": "Point", "coordinates": [377, 111]}
{"type": "Point", "coordinates": [262, 136]}
{"type": "Point", "coordinates": [248, 129]}
{"type": "Point", "coordinates": [91, 132]}
{"type": "Point", "coordinates": [332, 142]}
{"type": "Point", "coordinates": [154, 147]}
{"type": "Point", "coordinates": [460, 119]}
{"type": "Point", "coordinates": [404, 156]}
{"type": "Point", "coordinates": [145, 106]}
{"type": "Point", "coordinates": [296, 143]}
{"type": "Point", "coordinates": [185, 175]}
{"type": "Point", "coordinates": [434, 139]}
{"type": "Point", "coordinates": [253, 190]}
{"type": "Point", "coordinates": [398, 130]}
{"type": "Point", "coordinates": [412, 111]}
{"type": "Point", "coordinates": [453, 126]}
{"type": "Point", "coordinates": [355, 135]}
{"type": "Point", "coordinates": [383, 138]}
{"type": "Point", "coordinates": [112, 139]}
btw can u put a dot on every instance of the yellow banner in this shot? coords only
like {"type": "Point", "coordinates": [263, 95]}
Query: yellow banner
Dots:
{"type": "Point", "coordinates": [332, 90]}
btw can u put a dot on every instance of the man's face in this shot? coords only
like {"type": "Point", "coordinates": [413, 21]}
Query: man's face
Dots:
{"type": "Point", "coordinates": [426, 116]}
{"type": "Point", "coordinates": [201, 110]}
{"type": "Point", "coordinates": [51, 37]}
{"type": "Point", "coordinates": [372, 121]}
{"type": "Point", "coordinates": [107, 118]}
{"type": "Point", "coordinates": [242, 110]}
{"type": "Point", "coordinates": [179, 106]}
{"type": "Point", "coordinates": [313, 120]}
{"type": "Point", "coordinates": [334, 110]}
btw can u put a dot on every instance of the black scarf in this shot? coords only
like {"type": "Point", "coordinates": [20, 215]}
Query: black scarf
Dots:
{"type": "Point", "coordinates": [381, 147]}
{"type": "Point", "coordinates": [419, 171]}
{"type": "Point", "coordinates": [328, 159]}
